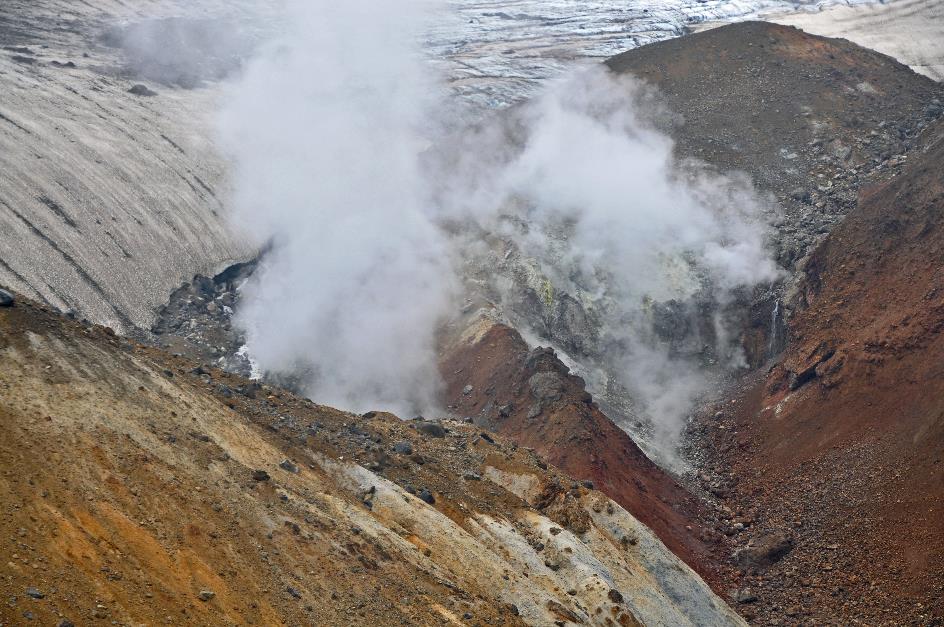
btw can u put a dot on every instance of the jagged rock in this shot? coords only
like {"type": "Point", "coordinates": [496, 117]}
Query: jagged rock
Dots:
{"type": "Point", "coordinates": [426, 496]}
{"type": "Point", "coordinates": [764, 550]}
{"type": "Point", "coordinates": [546, 387]}
{"type": "Point", "coordinates": [142, 90]}
{"type": "Point", "coordinates": [202, 437]}
{"type": "Point", "coordinates": [287, 464]}
{"type": "Point", "coordinates": [432, 429]}
{"type": "Point", "coordinates": [206, 595]}
{"type": "Point", "coordinates": [260, 475]}
{"type": "Point", "coordinates": [34, 593]}
{"type": "Point", "coordinates": [6, 299]}
{"type": "Point", "coordinates": [934, 110]}
{"type": "Point", "coordinates": [403, 448]}
{"type": "Point", "coordinates": [745, 595]}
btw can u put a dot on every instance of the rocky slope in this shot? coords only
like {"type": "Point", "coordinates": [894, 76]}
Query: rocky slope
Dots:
{"type": "Point", "coordinates": [841, 443]}
{"type": "Point", "coordinates": [567, 427]}
{"type": "Point", "coordinates": [140, 488]}
{"type": "Point", "coordinates": [528, 395]}
{"type": "Point", "coordinates": [807, 117]}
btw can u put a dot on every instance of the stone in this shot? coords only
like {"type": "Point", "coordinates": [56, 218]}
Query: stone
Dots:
{"type": "Point", "coordinates": [546, 387]}
{"type": "Point", "coordinates": [206, 595]}
{"type": "Point", "coordinates": [260, 475]}
{"type": "Point", "coordinates": [426, 496]}
{"type": "Point", "coordinates": [801, 195]}
{"type": "Point", "coordinates": [432, 429]}
{"type": "Point", "coordinates": [141, 90]}
{"type": "Point", "coordinates": [403, 448]}
{"type": "Point", "coordinates": [472, 476]}
{"type": "Point", "coordinates": [467, 390]}
{"type": "Point", "coordinates": [287, 464]}
{"type": "Point", "coordinates": [933, 110]}
{"type": "Point", "coordinates": [6, 299]}
{"type": "Point", "coordinates": [764, 550]}
{"type": "Point", "coordinates": [745, 595]}
{"type": "Point", "coordinates": [292, 591]}
{"type": "Point", "coordinates": [34, 593]}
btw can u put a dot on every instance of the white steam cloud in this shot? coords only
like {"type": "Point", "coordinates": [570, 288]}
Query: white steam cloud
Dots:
{"type": "Point", "coordinates": [340, 161]}
{"type": "Point", "coordinates": [614, 219]}
{"type": "Point", "coordinates": [324, 130]}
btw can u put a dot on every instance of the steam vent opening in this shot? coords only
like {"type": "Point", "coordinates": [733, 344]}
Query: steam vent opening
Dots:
{"type": "Point", "coordinates": [396, 313]}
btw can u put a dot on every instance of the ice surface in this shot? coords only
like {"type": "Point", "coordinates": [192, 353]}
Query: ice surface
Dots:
{"type": "Point", "coordinates": [496, 53]}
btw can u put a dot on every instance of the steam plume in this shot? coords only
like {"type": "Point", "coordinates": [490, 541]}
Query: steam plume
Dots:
{"type": "Point", "coordinates": [324, 130]}
{"type": "Point", "coordinates": [330, 132]}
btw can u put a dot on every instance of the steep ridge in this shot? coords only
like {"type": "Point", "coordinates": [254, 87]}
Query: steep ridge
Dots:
{"type": "Point", "coordinates": [528, 395]}
{"type": "Point", "coordinates": [139, 488]}
{"type": "Point", "coordinates": [842, 441]}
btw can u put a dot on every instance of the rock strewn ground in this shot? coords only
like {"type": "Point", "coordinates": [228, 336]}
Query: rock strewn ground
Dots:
{"type": "Point", "coordinates": [841, 443]}
{"type": "Point", "coordinates": [140, 487]}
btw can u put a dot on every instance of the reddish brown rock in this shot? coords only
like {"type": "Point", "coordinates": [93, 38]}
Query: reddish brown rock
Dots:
{"type": "Point", "coordinates": [529, 397]}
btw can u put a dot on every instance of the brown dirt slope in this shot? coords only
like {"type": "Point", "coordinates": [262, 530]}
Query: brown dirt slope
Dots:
{"type": "Point", "coordinates": [136, 487]}
{"type": "Point", "coordinates": [530, 397]}
{"type": "Point", "coordinates": [844, 439]}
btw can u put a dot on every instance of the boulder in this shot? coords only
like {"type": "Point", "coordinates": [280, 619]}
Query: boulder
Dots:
{"type": "Point", "coordinates": [432, 429]}
{"type": "Point", "coordinates": [764, 550]}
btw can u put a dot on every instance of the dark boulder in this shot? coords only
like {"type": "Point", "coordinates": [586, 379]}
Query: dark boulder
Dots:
{"type": "Point", "coordinates": [764, 550]}
{"type": "Point", "coordinates": [432, 429]}
{"type": "Point", "coordinates": [141, 90]}
{"type": "Point", "coordinates": [260, 475]}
